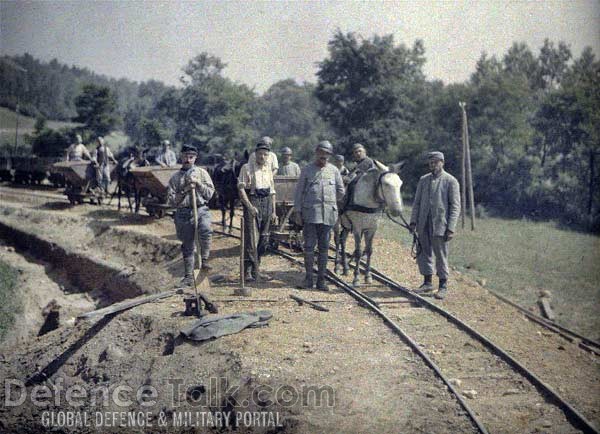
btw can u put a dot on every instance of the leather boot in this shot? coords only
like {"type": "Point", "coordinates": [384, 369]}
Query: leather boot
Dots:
{"type": "Point", "coordinates": [443, 291]}
{"type": "Point", "coordinates": [188, 266]}
{"type": "Point", "coordinates": [309, 260]}
{"type": "Point", "coordinates": [321, 281]}
{"type": "Point", "coordinates": [426, 287]}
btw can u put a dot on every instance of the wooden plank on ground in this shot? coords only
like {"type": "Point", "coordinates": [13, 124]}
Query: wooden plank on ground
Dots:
{"type": "Point", "coordinates": [546, 309]}
{"type": "Point", "coordinates": [127, 304]}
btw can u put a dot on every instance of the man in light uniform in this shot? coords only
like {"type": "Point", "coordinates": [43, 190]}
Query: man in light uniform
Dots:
{"type": "Point", "coordinates": [363, 162]}
{"type": "Point", "coordinates": [102, 156]}
{"type": "Point", "coordinates": [188, 178]}
{"type": "Point", "coordinates": [434, 216]}
{"type": "Point", "coordinates": [77, 151]}
{"type": "Point", "coordinates": [288, 167]}
{"type": "Point", "coordinates": [318, 190]}
{"type": "Point", "coordinates": [167, 157]}
{"type": "Point", "coordinates": [256, 188]}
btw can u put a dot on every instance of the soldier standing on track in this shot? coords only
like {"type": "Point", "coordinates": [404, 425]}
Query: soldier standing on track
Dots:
{"type": "Point", "coordinates": [288, 167]}
{"type": "Point", "coordinates": [167, 157]}
{"type": "Point", "coordinates": [434, 216]}
{"type": "Point", "coordinates": [188, 178]}
{"type": "Point", "coordinates": [319, 188]}
{"type": "Point", "coordinates": [102, 156]}
{"type": "Point", "coordinates": [77, 151]}
{"type": "Point", "coordinates": [256, 188]}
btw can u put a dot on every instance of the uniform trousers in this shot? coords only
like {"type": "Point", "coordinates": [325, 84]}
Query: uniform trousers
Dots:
{"type": "Point", "coordinates": [262, 221]}
{"type": "Point", "coordinates": [432, 245]}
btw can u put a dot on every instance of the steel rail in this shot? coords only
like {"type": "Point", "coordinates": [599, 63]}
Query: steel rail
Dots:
{"type": "Point", "coordinates": [585, 343]}
{"type": "Point", "coordinates": [574, 416]}
{"type": "Point", "coordinates": [372, 305]}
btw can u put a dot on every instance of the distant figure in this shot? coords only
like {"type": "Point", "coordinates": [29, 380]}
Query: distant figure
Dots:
{"type": "Point", "coordinates": [102, 156]}
{"type": "Point", "coordinates": [434, 216]}
{"type": "Point", "coordinates": [363, 162]}
{"type": "Point", "coordinates": [77, 151]}
{"type": "Point", "coordinates": [181, 184]}
{"type": "Point", "coordinates": [318, 190]}
{"type": "Point", "coordinates": [288, 167]}
{"type": "Point", "coordinates": [271, 157]}
{"type": "Point", "coordinates": [256, 188]}
{"type": "Point", "coordinates": [167, 157]}
{"type": "Point", "coordinates": [338, 161]}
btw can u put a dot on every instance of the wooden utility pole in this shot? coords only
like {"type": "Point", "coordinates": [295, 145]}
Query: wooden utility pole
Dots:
{"type": "Point", "coordinates": [463, 179]}
{"type": "Point", "coordinates": [467, 163]}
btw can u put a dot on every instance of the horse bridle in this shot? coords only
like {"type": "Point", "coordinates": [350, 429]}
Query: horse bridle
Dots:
{"type": "Point", "coordinates": [416, 244]}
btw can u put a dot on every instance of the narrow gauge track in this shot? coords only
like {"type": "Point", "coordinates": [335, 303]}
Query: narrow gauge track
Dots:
{"type": "Point", "coordinates": [502, 388]}
{"type": "Point", "coordinates": [572, 336]}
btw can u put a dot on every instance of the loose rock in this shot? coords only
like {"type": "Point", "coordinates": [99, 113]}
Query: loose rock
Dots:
{"type": "Point", "coordinates": [471, 394]}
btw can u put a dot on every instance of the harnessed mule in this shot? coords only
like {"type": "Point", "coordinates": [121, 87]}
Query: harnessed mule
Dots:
{"type": "Point", "coordinates": [370, 194]}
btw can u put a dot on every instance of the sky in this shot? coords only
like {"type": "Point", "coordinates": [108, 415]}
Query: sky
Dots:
{"type": "Point", "coordinates": [264, 42]}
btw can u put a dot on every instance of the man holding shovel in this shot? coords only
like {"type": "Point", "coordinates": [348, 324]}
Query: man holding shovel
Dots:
{"type": "Point", "coordinates": [191, 178]}
{"type": "Point", "coordinates": [257, 192]}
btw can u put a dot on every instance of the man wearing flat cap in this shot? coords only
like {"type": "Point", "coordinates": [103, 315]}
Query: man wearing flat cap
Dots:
{"type": "Point", "coordinates": [271, 156]}
{"type": "Point", "coordinates": [434, 216]}
{"type": "Point", "coordinates": [256, 188]}
{"type": "Point", "coordinates": [318, 190]}
{"type": "Point", "coordinates": [191, 178]}
{"type": "Point", "coordinates": [288, 167]}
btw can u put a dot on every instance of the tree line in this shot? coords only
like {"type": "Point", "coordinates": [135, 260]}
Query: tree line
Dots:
{"type": "Point", "coordinates": [533, 116]}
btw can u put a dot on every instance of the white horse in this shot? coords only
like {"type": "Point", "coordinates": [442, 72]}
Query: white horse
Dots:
{"type": "Point", "coordinates": [373, 192]}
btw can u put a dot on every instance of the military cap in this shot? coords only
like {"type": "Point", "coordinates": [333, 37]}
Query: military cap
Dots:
{"type": "Point", "coordinates": [263, 144]}
{"type": "Point", "coordinates": [437, 155]}
{"type": "Point", "coordinates": [325, 146]}
{"type": "Point", "coordinates": [266, 140]}
{"type": "Point", "coordinates": [286, 151]}
{"type": "Point", "coordinates": [358, 146]}
{"type": "Point", "coordinates": [187, 149]}
{"type": "Point", "coordinates": [339, 158]}
{"type": "Point", "coordinates": [166, 143]}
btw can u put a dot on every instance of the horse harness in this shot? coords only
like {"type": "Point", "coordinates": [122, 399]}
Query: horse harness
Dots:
{"type": "Point", "coordinates": [351, 206]}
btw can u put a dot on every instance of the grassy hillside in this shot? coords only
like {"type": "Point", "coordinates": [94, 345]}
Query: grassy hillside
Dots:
{"type": "Point", "coordinates": [116, 139]}
{"type": "Point", "coordinates": [518, 258]}
{"type": "Point", "coordinates": [9, 299]}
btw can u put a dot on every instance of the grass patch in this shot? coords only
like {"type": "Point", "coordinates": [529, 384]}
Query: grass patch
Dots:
{"type": "Point", "coordinates": [518, 258]}
{"type": "Point", "coordinates": [10, 302]}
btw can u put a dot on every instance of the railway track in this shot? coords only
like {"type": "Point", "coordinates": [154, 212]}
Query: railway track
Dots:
{"type": "Point", "coordinates": [489, 384]}
{"type": "Point", "coordinates": [500, 387]}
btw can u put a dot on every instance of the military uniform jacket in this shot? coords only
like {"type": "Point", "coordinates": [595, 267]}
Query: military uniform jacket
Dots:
{"type": "Point", "coordinates": [440, 198]}
{"type": "Point", "coordinates": [317, 192]}
{"type": "Point", "coordinates": [290, 169]}
{"type": "Point", "coordinates": [177, 197]}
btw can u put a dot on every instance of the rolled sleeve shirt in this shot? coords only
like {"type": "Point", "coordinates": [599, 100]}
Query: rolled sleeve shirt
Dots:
{"type": "Point", "coordinates": [254, 177]}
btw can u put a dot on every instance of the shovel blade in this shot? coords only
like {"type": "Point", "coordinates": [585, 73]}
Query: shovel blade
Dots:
{"type": "Point", "coordinates": [202, 280]}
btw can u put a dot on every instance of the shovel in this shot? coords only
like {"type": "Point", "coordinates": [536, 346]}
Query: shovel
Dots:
{"type": "Point", "coordinates": [199, 276]}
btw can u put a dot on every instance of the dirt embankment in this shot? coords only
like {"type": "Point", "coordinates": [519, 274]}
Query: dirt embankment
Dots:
{"type": "Point", "coordinates": [308, 371]}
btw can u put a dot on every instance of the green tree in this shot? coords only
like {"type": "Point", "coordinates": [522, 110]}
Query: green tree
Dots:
{"type": "Point", "coordinates": [372, 91]}
{"type": "Point", "coordinates": [96, 108]}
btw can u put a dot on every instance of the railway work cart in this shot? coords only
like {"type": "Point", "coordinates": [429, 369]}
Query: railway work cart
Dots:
{"type": "Point", "coordinates": [151, 183]}
{"type": "Point", "coordinates": [285, 230]}
{"type": "Point", "coordinates": [80, 180]}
